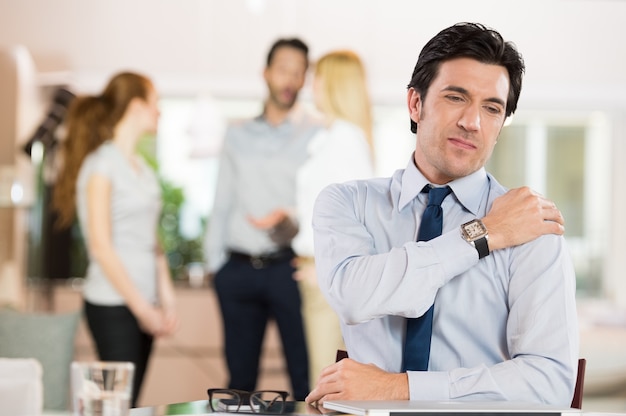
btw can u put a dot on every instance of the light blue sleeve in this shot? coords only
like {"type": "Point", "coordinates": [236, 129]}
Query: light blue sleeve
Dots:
{"type": "Point", "coordinates": [375, 270]}
{"type": "Point", "coordinates": [215, 237]}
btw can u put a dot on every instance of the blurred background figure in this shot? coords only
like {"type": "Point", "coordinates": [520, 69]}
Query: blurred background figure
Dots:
{"type": "Point", "coordinates": [128, 292]}
{"type": "Point", "coordinates": [340, 152]}
{"type": "Point", "coordinates": [252, 262]}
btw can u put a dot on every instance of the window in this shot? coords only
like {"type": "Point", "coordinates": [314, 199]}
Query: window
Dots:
{"type": "Point", "coordinates": [565, 157]}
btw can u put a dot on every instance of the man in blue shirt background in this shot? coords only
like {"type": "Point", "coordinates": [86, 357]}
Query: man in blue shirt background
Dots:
{"type": "Point", "coordinates": [253, 265]}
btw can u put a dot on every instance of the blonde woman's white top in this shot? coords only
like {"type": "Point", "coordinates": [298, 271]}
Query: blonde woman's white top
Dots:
{"type": "Point", "coordinates": [337, 154]}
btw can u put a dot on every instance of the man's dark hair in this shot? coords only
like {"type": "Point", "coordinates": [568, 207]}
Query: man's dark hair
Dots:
{"type": "Point", "coordinates": [468, 40]}
{"type": "Point", "coordinates": [288, 43]}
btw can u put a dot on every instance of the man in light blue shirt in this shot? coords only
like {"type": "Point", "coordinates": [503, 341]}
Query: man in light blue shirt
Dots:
{"type": "Point", "coordinates": [253, 266]}
{"type": "Point", "coordinates": [500, 277]}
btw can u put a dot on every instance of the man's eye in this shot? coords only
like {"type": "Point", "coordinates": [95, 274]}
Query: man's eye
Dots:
{"type": "Point", "coordinates": [493, 110]}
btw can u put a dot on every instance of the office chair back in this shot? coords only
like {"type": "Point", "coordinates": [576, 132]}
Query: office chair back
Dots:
{"type": "Point", "coordinates": [577, 401]}
{"type": "Point", "coordinates": [49, 338]}
{"type": "Point", "coordinates": [341, 354]}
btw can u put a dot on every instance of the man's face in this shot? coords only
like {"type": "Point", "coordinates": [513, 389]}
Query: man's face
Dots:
{"type": "Point", "coordinates": [285, 76]}
{"type": "Point", "coordinates": [460, 119]}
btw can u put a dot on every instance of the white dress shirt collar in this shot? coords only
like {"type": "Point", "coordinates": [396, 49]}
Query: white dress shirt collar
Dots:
{"type": "Point", "coordinates": [468, 190]}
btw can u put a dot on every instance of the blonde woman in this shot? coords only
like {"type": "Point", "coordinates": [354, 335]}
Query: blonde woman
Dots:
{"type": "Point", "coordinates": [128, 292]}
{"type": "Point", "coordinates": [340, 152]}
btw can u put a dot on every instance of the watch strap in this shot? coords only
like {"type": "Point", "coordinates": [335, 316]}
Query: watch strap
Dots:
{"type": "Point", "coordinates": [482, 247]}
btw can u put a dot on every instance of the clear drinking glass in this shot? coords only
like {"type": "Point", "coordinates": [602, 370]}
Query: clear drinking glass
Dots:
{"type": "Point", "coordinates": [102, 388]}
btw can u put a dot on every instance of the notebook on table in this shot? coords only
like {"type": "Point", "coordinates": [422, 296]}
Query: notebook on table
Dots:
{"type": "Point", "coordinates": [445, 408]}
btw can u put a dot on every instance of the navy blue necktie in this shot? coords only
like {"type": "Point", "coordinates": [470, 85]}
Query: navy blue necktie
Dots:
{"type": "Point", "coordinates": [419, 330]}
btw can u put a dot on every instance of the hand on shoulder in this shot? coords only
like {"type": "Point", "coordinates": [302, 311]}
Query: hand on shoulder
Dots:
{"type": "Point", "coordinates": [519, 216]}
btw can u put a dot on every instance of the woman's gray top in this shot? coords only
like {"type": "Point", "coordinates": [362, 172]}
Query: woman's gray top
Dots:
{"type": "Point", "coordinates": [134, 208]}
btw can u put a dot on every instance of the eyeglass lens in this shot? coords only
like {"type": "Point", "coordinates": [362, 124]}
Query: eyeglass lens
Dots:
{"type": "Point", "coordinates": [225, 400]}
{"type": "Point", "coordinates": [267, 401]}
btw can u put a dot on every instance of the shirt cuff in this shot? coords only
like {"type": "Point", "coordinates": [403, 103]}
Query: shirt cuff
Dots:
{"type": "Point", "coordinates": [456, 255]}
{"type": "Point", "coordinates": [429, 385]}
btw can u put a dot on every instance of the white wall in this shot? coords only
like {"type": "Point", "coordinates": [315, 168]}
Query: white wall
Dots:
{"type": "Point", "coordinates": [573, 48]}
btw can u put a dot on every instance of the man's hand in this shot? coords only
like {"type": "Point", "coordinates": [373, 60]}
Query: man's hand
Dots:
{"type": "Point", "coordinates": [519, 216]}
{"type": "Point", "coordinates": [305, 270]}
{"type": "Point", "coordinates": [280, 227]}
{"type": "Point", "coordinates": [350, 380]}
{"type": "Point", "coordinates": [269, 221]}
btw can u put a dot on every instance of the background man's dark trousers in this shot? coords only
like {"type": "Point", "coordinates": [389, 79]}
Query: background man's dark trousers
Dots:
{"type": "Point", "coordinates": [249, 296]}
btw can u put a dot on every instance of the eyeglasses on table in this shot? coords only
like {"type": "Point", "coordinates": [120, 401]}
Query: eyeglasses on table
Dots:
{"type": "Point", "coordinates": [240, 401]}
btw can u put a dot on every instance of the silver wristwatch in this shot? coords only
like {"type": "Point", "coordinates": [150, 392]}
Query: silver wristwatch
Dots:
{"type": "Point", "coordinates": [475, 233]}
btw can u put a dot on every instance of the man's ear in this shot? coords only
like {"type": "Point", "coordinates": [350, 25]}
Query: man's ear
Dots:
{"type": "Point", "coordinates": [414, 103]}
{"type": "Point", "coordinates": [266, 74]}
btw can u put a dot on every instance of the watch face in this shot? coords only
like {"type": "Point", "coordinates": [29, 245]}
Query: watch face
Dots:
{"type": "Point", "coordinates": [474, 229]}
